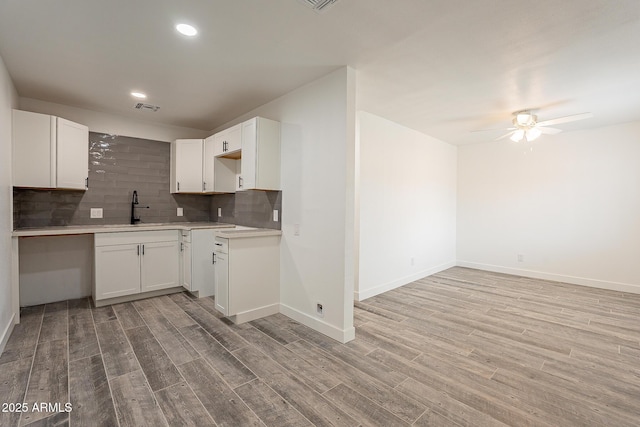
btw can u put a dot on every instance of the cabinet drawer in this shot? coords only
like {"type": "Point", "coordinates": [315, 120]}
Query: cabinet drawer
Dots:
{"type": "Point", "coordinates": [221, 245]}
{"type": "Point", "coordinates": [133, 237]}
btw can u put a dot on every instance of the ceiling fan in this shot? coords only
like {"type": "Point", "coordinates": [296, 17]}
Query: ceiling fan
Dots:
{"type": "Point", "coordinates": [526, 125]}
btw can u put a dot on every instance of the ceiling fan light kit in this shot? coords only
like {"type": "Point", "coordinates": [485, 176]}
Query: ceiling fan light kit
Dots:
{"type": "Point", "coordinates": [526, 125]}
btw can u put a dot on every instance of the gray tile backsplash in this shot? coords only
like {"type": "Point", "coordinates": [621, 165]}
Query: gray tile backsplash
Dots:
{"type": "Point", "coordinates": [251, 208]}
{"type": "Point", "coordinates": [117, 166]}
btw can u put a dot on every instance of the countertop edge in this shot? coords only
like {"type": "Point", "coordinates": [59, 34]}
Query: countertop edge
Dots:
{"type": "Point", "coordinates": [258, 233]}
{"type": "Point", "coordinates": [92, 229]}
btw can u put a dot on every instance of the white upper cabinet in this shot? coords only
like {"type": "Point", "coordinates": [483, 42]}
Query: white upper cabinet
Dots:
{"type": "Point", "coordinates": [243, 157]}
{"type": "Point", "coordinates": [209, 174]}
{"type": "Point", "coordinates": [187, 166]}
{"type": "Point", "coordinates": [219, 172]}
{"type": "Point", "coordinates": [260, 162]}
{"type": "Point", "coordinates": [49, 152]}
{"type": "Point", "coordinates": [73, 155]}
{"type": "Point", "coordinates": [228, 142]}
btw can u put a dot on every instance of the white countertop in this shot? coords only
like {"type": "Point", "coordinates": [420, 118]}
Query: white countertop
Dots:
{"type": "Point", "coordinates": [93, 229]}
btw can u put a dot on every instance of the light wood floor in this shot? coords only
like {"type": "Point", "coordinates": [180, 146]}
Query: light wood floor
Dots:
{"type": "Point", "coordinates": [462, 347]}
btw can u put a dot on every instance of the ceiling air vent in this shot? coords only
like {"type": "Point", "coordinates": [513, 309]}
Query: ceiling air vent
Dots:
{"type": "Point", "coordinates": [319, 5]}
{"type": "Point", "coordinates": [143, 106]}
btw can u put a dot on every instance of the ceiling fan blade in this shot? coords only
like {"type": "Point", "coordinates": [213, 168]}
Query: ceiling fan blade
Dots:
{"type": "Point", "coordinates": [566, 119]}
{"type": "Point", "coordinates": [505, 135]}
{"type": "Point", "coordinates": [550, 131]}
{"type": "Point", "coordinates": [494, 129]}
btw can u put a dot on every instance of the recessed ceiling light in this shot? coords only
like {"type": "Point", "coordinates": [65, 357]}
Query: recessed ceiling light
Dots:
{"type": "Point", "coordinates": [186, 29]}
{"type": "Point", "coordinates": [138, 95]}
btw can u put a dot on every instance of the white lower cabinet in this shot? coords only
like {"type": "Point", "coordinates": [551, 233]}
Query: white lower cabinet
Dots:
{"type": "Point", "coordinates": [117, 271]}
{"type": "Point", "coordinates": [198, 270]}
{"type": "Point", "coordinates": [159, 266]}
{"type": "Point", "coordinates": [247, 277]}
{"type": "Point", "coordinates": [222, 283]}
{"type": "Point", "coordinates": [186, 276]}
{"type": "Point", "coordinates": [134, 262]}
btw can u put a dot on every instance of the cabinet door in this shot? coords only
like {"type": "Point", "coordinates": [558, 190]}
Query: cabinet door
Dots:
{"type": "Point", "coordinates": [117, 271]}
{"type": "Point", "coordinates": [222, 283]}
{"type": "Point", "coordinates": [160, 265]}
{"type": "Point", "coordinates": [234, 138]}
{"type": "Point", "coordinates": [188, 164]}
{"type": "Point", "coordinates": [34, 150]}
{"type": "Point", "coordinates": [249, 152]}
{"type": "Point", "coordinates": [209, 165]}
{"type": "Point", "coordinates": [228, 142]}
{"type": "Point", "coordinates": [187, 266]}
{"type": "Point", "coordinates": [202, 262]}
{"type": "Point", "coordinates": [219, 144]}
{"type": "Point", "coordinates": [72, 155]}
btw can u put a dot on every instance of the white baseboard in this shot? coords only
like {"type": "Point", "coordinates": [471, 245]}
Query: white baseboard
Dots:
{"type": "Point", "coordinates": [319, 325]}
{"type": "Point", "coordinates": [583, 281]}
{"type": "Point", "coordinates": [368, 293]}
{"type": "Point", "coordinates": [248, 316]}
{"type": "Point", "coordinates": [7, 333]}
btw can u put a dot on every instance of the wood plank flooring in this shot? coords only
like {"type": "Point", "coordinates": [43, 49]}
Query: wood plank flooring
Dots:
{"type": "Point", "coordinates": [460, 348]}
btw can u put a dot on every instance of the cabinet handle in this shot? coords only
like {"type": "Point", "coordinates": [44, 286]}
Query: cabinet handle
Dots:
{"type": "Point", "coordinates": [138, 250]}
{"type": "Point", "coordinates": [181, 247]}
{"type": "Point", "coordinates": [142, 249]}
{"type": "Point", "coordinates": [213, 261]}
{"type": "Point", "coordinates": [204, 186]}
{"type": "Point", "coordinates": [224, 146]}
{"type": "Point", "coordinates": [178, 185]}
{"type": "Point", "coordinates": [86, 183]}
{"type": "Point", "coordinates": [240, 184]}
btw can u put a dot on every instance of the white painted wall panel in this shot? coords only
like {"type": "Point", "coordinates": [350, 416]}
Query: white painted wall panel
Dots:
{"type": "Point", "coordinates": [407, 205]}
{"type": "Point", "coordinates": [316, 139]}
{"type": "Point", "coordinates": [568, 203]}
{"type": "Point", "coordinates": [8, 101]}
{"type": "Point", "coordinates": [55, 268]}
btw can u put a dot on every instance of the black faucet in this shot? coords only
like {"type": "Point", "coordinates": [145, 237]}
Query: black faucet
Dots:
{"type": "Point", "coordinates": [134, 202]}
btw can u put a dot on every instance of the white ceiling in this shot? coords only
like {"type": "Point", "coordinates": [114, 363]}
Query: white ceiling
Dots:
{"type": "Point", "coordinates": [443, 67]}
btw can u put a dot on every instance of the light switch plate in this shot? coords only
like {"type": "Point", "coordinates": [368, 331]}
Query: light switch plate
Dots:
{"type": "Point", "coordinates": [96, 212]}
{"type": "Point", "coordinates": [275, 215]}
{"type": "Point", "coordinates": [219, 212]}
{"type": "Point", "coordinates": [180, 212]}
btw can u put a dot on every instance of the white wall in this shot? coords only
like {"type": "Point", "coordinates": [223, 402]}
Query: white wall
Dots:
{"type": "Point", "coordinates": [8, 101]}
{"type": "Point", "coordinates": [568, 203]}
{"type": "Point", "coordinates": [112, 123]}
{"type": "Point", "coordinates": [407, 205]}
{"type": "Point", "coordinates": [55, 268]}
{"type": "Point", "coordinates": [318, 134]}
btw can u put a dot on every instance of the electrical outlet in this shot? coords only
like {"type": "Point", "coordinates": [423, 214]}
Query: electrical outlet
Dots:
{"type": "Point", "coordinates": [275, 215]}
{"type": "Point", "coordinates": [96, 212]}
{"type": "Point", "coordinates": [520, 258]}
{"type": "Point", "coordinates": [296, 229]}
{"type": "Point", "coordinates": [180, 212]}
{"type": "Point", "coordinates": [320, 309]}
{"type": "Point", "coordinates": [219, 212]}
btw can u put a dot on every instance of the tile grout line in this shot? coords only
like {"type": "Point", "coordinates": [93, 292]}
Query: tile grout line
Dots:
{"type": "Point", "coordinates": [174, 364]}
{"type": "Point", "coordinates": [69, 364]}
{"type": "Point", "coordinates": [106, 375]}
{"type": "Point", "coordinates": [242, 363]}
{"type": "Point", "coordinates": [33, 359]}
{"type": "Point", "coordinates": [146, 380]}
